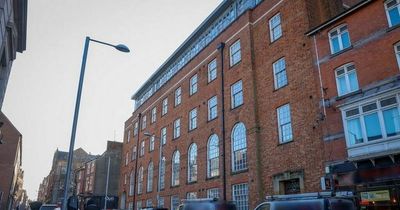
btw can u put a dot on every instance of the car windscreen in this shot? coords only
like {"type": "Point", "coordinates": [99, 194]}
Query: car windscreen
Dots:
{"type": "Point", "coordinates": [48, 207]}
{"type": "Point", "coordinates": [317, 204]}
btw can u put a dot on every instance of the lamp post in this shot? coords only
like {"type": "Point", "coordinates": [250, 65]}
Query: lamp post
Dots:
{"type": "Point", "coordinates": [159, 165]}
{"type": "Point", "coordinates": [119, 47]}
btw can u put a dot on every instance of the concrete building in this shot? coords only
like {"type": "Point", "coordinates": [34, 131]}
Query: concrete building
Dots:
{"type": "Point", "coordinates": [357, 61]}
{"type": "Point", "coordinates": [51, 190]}
{"type": "Point", "coordinates": [13, 19]}
{"type": "Point", "coordinates": [11, 173]}
{"type": "Point", "coordinates": [237, 108]}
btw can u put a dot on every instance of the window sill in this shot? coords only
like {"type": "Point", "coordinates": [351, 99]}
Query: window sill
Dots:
{"type": "Point", "coordinates": [176, 138]}
{"type": "Point", "coordinates": [175, 186]}
{"type": "Point", "coordinates": [392, 28]}
{"type": "Point", "coordinates": [240, 172]}
{"type": "Point", "coordinates": [341, 52]}
{"type": "Point", "coordinates": [212, 178]}
{"type": "Point", "coordinates": [275, 40]}
{"type": "Point", "coordinates": [237, 107]}
{"type": "Point", "coordinates": [192, 182]}
{"type": "Point", "coordinates": [192, 130]}
{"type": "Point", "coordinates": [338, 98]}
{"type": "Point", "coordinates": [234, 65]}
{"type": "Point", "coordinates": [209, 82]}
{"type": "Point", "coordinates": [212, 120]}
{"type": "Point", "coordinates": [286, 142]}
{"type": "Point", "coordinates": [277, 89]}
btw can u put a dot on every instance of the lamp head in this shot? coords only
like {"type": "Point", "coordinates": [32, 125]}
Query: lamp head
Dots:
{"type": "Point", "coordinates": [122, 48]}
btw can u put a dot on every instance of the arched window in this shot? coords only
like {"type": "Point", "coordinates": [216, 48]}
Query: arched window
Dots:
{"type": "Point", "coordinates": [140, 180]}
{"type": "Point", "coordinates": [131, 183]}
{"type": "Point", "coordinates": [175, 168]}
{"type": "Point", "coordinates": [162, 173]}
{"type": "Point", "coordinates": [213, 156]}
{"type": "Point", "coordinates": [192, 163]}
{"type": "Point", "coordinates": [239, 147]}
{"type": "Point", "coordinates": [150, 177]}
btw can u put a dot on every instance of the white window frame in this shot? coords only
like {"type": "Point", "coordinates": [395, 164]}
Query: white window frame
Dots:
{"type": "Point", "coordinates": [161, 180]}
{"type": "Point", "coordinates": [140, 181]}
{"type": "Point", "coordinates": [211, 108]}
{"type": "Point", "coordinates": [175, 171]}
{"type": "Point", "coordinates": [131, 183]}
{"type": "Point", "coordinates": [151, 144]}
{"type": "Point", "coordinates": [133, 156]}
{"type": "Point", "coordinates": [346, 75]}
{"type": "Point", "coordinates": [387, 10]}
{"type": "Point", "coordinates": [174, 198]}
{"type": "Point", "coordinates": [281, 140]}
{"type": "Point", "coordinates": [153, 115]}
{"type": "Point", "coordinates": [272, 28]}
{"type": "Point", "coordinates": [339, 35]}
{"type": "Point", "coordinates": [233, 52]}
{"type": "Point", "coordinates": [192, 163]}
{"type": "Point", "coordinates": [135, 128]}
{"type": "Point", "coordinates": [241, 191]}
{"type": "Point", "coordinates": [150, 176]}
{"type": "Point", "coordinates": [142, 146]}
{"type": "Point", "coordinates": [212, 70]}
{"type": "Point", "coordinates": [164, 110]}
{"type": "Point", "coordinates": [163, 135]}
{"type": "Point", "coordinates": [361, 115]}
{"type": "Point", "coordinates": [397, 53]}
{"type": "Point", "coordinates": [126, 158]}
{"type": "Point", "coordinates": [178, 96]}
{"type": "Point", "coordinates": [243, 165]}
{"type": "Point", "coordinates": [235, 94]}
{"type": "Point", "coordinates": [193, 119]}
{"type": "Point", "coordinates": [129, 135]}
{"type": "Point", "coordinates": [278, 71]}
{"type": "Point", "coordinates": [193, 86]}
{"type": "Point", "coordinates": [139, 205]}
{"type": "Point", "coordinates": [213, 193]}
{"type": "Point", "coordinates": [212, 155]}
{"type": "Point", "coordinates": [144, 122]}
{"type": "Point", "coordinates": [177, 128]}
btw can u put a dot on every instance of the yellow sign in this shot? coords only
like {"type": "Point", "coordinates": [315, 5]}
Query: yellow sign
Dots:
{"type": "Point", "coordinates": [381, 195]}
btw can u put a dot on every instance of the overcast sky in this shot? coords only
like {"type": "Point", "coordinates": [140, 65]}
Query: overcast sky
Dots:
{"type": "Point", "coordinates": [41, 91]}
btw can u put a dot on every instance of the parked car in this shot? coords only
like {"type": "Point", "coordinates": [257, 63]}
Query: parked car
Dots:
{"type": "Point", "coordinates": [308, 201]}
{"type": "Point", "coordinates": [48, 207]}
{"type": "Point", "coordinates": [153, 208]}
{"type": "Point", "coordinates": [206, 204]}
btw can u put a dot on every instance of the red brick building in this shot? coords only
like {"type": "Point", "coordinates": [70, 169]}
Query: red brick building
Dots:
{"type": "Point", "coordinates": [357, 61]}
{"type": "Point", "coordinates": [237, 107]}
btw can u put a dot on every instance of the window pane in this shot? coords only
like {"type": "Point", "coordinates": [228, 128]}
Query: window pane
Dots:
{"type": "Point", "coordinates": [346, 40]}
{"type": "Point", "coordinates": [354, 131]}
{"type": "Point", "coordinates": [372, 126]}
{"type": "Point", "coordinates": [394, 16]}
{"type": "Point", "coordinates": [335, 45]}
{"type": "Point", "coordinates": [353, 81]}
{"type": "Point", "coordinates": [392, 121]}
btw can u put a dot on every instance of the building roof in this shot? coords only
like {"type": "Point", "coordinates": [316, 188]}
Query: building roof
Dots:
{"type": "Point", "coordinates": [226, 13]}
{"type": "Point", "coordinates": [338, 17]}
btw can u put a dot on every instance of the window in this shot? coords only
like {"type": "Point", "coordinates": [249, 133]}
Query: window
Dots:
{"type": "Point", "coordinates": [144, 122]}
{"type": "Point", "coordinates": [154, 115]}
{"type": "Point", "coordinates": [164, 135]}
{"type": "Point", "coordinates": [378, 119]}
{"type": "Point", "coordinates": [149, 203]}
{"type": "Point", "coordinates": [133, 153]}
{"type": "Point", "coordinates": [213, 193]}
{"type": "Point", "coordinates": [239, 147]}
{"type": "Point", "coordinates": [240, 196]}
{"type": "Point", "coordinates": [175, 168]}
{"type": "Point", "coordinates": [161, 202]}
{"type": "Point", "coordinates": [346, 79]}
{"type": "Point", "coordinates": [393, 12]}
{"type": "Point", "coordinates": [178, 95]}
{"type": "Point", "coordinates": [140, 180]}
{"type": "Point", "coordinates": [131, 183]}
{"type": "Point", "coordinates": [164, 110]}
{"type": "Point", "coordinates": [130, 206]}
{"type": "Point", "coordinates": [127, 158]}
{"type": "Point", "coordinates": [192, 163]}
{"type": "Point", "coordinates": [139, 205]}
{"type": "Point", "coordinates": [152, 140]}
{"type": "Point", "coordinates": [339, 39]}
{"type": "Point", "coordinates": [212, 71]}
{"type": "Point", "coordinates": [162, 174]}
{"type": "Point", "coordinates": [236, 94]}
{"type": "Point", "coordinates": [235, 54]}
{"type": "Point", "coordinates": [280, 78]}
{"type": "Point", "coordinates": [193, 119]}
{"type": "Point", "coordinates": [174, 202]}
{"type": "Point", "coordinates": [193, 85]}
{"type": "Point", "coordinates": [284, 124]}
{"type": "Point", "coordinates": [275, 28]}
{"type": "Point", "coordinates": [125, 179]}
{"type": "Point", "coordinates": [150, 177]}
{"type": "Point", "coordinates": [177, 128]}
{"type": "Point", "coordinates": [397, 51]}
{"type": "Point", "coordinates": [212, 108]}
{"type": "Point", "coordinates": [129, 135]}
{"type": "Point", "coordinates": [191, 195]}
{"type": "Point", "coordinates": [213, 156]}
{"type": "Point", "coordinates": [135, 128]}
{"type": "Point", "coordinates": [142, 148]}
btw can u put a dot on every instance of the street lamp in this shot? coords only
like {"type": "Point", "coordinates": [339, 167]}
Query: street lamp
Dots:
{"type": "Point", "coordinates": [119, 47]}
{"type": "Point", "coordinates": [159, 165]}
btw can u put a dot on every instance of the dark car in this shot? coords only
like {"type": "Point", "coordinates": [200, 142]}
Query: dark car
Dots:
{"type": "Point", "coordinates": [153, 208]}
{"type": "Point", "coordinates": [206, 204]}
{"type": "Point", "coordinates": [307, 201]}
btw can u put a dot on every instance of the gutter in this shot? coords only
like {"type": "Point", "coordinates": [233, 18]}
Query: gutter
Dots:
{"type": "Point", "coordinates": [136, 161]}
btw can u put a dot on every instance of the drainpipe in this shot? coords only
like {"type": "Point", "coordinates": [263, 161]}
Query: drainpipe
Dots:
{"type": "Point", "coordinates": [220, 48]}
{"type": "Point", "coordinates": [136, 159]}
{"type": "Point", "coordinates": [319, 75]}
